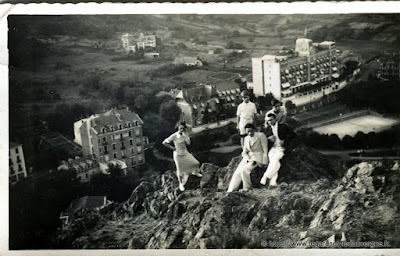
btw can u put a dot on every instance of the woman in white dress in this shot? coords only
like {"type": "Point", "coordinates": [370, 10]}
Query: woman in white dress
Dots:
{"type": "Point", "coordinates": [185, 162]}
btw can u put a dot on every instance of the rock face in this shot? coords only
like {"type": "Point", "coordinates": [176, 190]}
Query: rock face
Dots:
{"type": "Point", "coordinates": [308, 205]}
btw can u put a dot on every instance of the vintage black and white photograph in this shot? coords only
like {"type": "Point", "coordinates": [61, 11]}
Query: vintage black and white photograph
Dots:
{"type": "Point", "coordinates": [204, 131]}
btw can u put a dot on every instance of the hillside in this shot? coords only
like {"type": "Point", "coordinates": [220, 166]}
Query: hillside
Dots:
{"type": "Point", "coordinates": [78, 59]}
{"type": "Point", "coordinates": [310, 207]}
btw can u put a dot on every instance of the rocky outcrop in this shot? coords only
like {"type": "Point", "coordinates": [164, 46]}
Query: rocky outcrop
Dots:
{"type": "Point", "coordinates": [363, 207]}
{"type": "Point", "coordinates": [308, 205]}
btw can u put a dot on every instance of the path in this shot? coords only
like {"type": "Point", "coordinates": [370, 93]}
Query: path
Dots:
{"type": "Point", "coordinates": [203, 127]}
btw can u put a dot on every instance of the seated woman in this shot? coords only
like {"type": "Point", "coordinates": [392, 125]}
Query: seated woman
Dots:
{"type": "Point", "coordinates": [185, 162]}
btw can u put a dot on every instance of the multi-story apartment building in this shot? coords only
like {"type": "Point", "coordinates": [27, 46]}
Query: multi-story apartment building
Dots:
{"type": "Point", "coordinates": [17, 168]}
{"type": "Point", "coordinates": [389, 66]}
{"type": "Point", "coordinates": [113, 136]}
{"type": "Point", "coordinates": [301, 77]}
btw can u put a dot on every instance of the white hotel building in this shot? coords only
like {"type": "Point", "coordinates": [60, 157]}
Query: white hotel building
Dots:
{"type": "Point", "coordinates": [302, 77]}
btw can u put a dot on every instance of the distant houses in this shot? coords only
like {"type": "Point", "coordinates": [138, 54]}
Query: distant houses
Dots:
{"type": "Point", "coordinates": [188, 61]}
{"type": "Point", "coordinates": [208, 103]}
{"type": "Point", "coordinates": [137, 41]}
{"type": "Point", "coordinates": [85, 167]}
{"type": "Point", "coordinates": [389, 66]}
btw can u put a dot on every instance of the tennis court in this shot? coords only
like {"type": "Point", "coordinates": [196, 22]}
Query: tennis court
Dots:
{"type": "Point", "coordinates": [365, 124]}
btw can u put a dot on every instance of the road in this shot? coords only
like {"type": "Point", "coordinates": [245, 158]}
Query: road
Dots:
{"type": "Point", "coordinates": [345, 154]}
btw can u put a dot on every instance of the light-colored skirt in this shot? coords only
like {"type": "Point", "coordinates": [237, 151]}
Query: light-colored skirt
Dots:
{"type": "Point", "coordinates": [185, 163]}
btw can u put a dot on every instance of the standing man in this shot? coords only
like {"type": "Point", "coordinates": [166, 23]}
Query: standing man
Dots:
{"type": "Point", "coordinates": [246, 113]}
{"type": "Point", "coordinates": [254, 155]}
{"type": "Point", "coordinates": [278, 110]}
{"type": "Point", "coordinates": [277, 134]}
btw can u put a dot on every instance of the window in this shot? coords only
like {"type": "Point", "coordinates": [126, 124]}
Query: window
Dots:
{"type": "Point", "coordinates": [115, 155]}
{"type": "Point", "coordinates": [120, 136]}
{"type": "Point", "coordinates": [139, 149]}
{"type": "Point", "coordinates": [131, 142]}
{"type": "Point", "coordinates": [120, 126]}
{"type": "Point", "coordinates": [11, 163]}
{"type": "Point", "coordinates": [98, 140]}
{"type": "Point", "coordinates": [104, 139]}
{"type": "Point", "coordinates": [100, 149]}
{"type": "Point", "coordinates": [19, 167]}
{"type": "Point", "coordinates": [122, 143]}
{"type": "Point", "coordinates": [123, 153]}
{"type": "Point", "coordinates": [16, 150]}
{"type": "Point", "coordinates": [114, 146]}
{"type": "Point", "coordinates": [105, 149]}
{"type": "Point", "coordinates": [13, 178]}
{"type": "Point", "coordinates": [130, 133]}
{"type": "Point", "coordinates": [18, 159]}
{"type": "Point", "coordinates": [11, 169]}
{"type": "Point", "coordinates": [132, 151]}
{"type": "Point", "coordinates": [132, 160]}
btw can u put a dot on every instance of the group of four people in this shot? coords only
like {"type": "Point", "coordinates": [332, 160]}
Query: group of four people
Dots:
{"type": "Point", "coordinates": [254, 144]}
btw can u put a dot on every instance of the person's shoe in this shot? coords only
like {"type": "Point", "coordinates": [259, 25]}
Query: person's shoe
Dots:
{"type": "Point", "coordinates": [181, 187]}
{"type": "Point", "coordinates": [263, 180]}
{"type": "Point", "coordinates": [197, 174]}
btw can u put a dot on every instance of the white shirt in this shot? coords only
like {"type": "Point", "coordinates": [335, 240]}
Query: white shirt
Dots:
{"type": "Point", "coordinates": [179, 142]}
{"type": "Point", "coordinates": [246, 111]}
{"type": "Point", "coordinates": [277, 142]}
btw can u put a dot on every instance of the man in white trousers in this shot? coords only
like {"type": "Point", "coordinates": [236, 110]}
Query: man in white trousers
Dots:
{"type": "Point", "coordinates": [255, 148]}
{"type": "Point", "coordinates": [276, 133]}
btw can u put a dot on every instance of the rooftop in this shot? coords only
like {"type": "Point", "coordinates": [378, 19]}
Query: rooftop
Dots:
{"type": "Point", "coordinates": [199, 93]}
{"type": "Point", "coordinates": [87, 202]}
{"type": "Point", "coordinates": [115, 117]}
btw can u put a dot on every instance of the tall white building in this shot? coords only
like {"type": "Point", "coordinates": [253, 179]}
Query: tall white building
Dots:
{"type": "Point", "coordinates": [301, 77]}
{"type": "Point", "coordinates": [17, 168]}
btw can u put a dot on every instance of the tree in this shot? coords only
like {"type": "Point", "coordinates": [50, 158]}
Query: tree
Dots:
{"type": "Point", "coordinates": [264, 102]}
{"type": "Point", "coordinates": [170, 111]}
{"type": "Point", "coordinates": [182, 45]}
{"type": "Point", "coordinates": [235, 33]}
{"type": "Point", "coordinates": [115, 171]}
{"type": "Point", "coordinates": [218, 50]}
{"type": "Point", "coordinates": [141, 102]}
{"type": "Point", "coordinates": [120, 95]}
